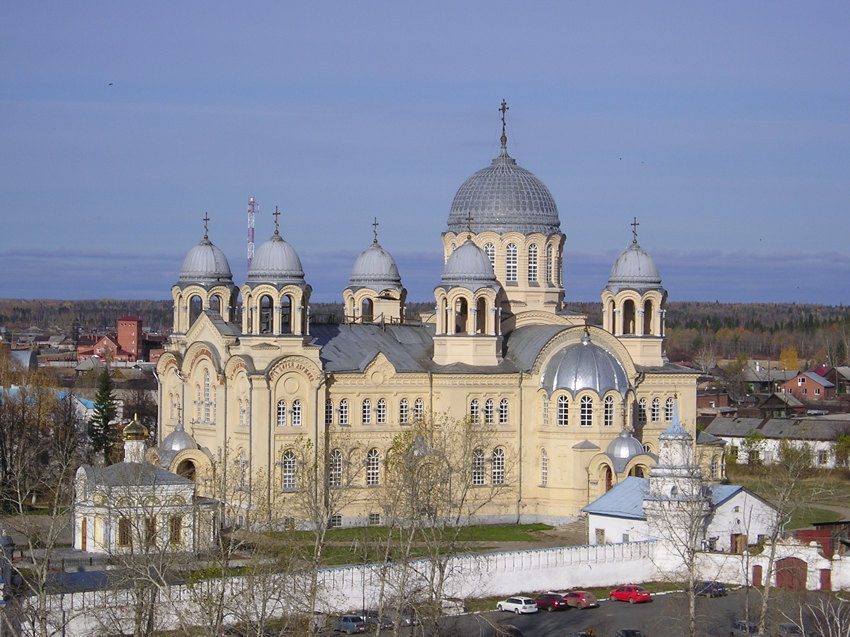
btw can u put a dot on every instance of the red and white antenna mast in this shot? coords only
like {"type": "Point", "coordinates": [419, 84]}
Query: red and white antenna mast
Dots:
{"type": "Point", "coordinates": [253, 206]}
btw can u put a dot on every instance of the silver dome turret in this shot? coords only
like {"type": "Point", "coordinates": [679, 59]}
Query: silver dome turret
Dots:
{"type": "Point", "coordinates": [584, 365]}
{"type": "Point", "coordinates": [469, 267]}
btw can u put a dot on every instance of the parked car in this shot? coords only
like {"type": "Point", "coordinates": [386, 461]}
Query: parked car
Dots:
{"type": "Point", "coordinates": [371, 617]}
{"type": "Point", "coordinates": [518, 605]}
{"type": "Point", "coordinates": [629, 632]}
{"type": "Point", "coordinates": [788, 630]}
{"type": "Point", "coordinates": [744, 628]}
{"type": "Point", "coordinates": [350, 624]}
{"type": "Point", "coordinates": [709, 589]}
{"type": "Point", "coordinates": [630, 594]}
{"type": "Point", "coordinates": [581, 599]}
{"type": "Point", "coordinates": [551, 601]}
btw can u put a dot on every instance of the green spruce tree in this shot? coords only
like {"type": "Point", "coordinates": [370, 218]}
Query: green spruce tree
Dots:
{"type": "Point", "coordinates": [100, 432]}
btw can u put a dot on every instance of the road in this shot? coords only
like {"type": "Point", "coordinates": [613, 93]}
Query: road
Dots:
{"type": "Point", "coordinates": [665, 616]}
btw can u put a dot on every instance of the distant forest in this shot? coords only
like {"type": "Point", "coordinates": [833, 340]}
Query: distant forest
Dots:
{"type": "Point", "coordinates": [818, 334]}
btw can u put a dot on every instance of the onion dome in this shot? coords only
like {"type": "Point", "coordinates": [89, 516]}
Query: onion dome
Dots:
{"type": "Point", "coordinates": [625, 446]}
{"type": "Point", "coordinates": [504, 197]}
{"type": "Point", "coordinates": [375, 269]}
{"type": "Point", "coordinates": [135, 430]}
{"type": "Point", "coordinates": [276, 262]}
{"type": "Point", "coordinates": [634, 269]}
{"type": "Point", "coordinates": [469, 267]}
{"type": "Point", "coordinates": [205, 265]}
{"type": "Point", "coordinates": [584, 365]}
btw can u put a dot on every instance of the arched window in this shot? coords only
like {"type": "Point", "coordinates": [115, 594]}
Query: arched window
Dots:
{"type": "Point", "coordinates": [461, 316]}
{"type": "Point", "coordinates": [478, 467]}
{"type": "Point", "coordinates": [642, 410]}
{"type": "Point", "coordinates": [629, 317]}
{"type": "Point", "coordinates": [473, 411]}
{"type": "Point", "coordinates": [490, 251]}
{"type": "Point", "coordinates": [373, 468]}
{"type": "Point", "coordinates": [504, 415]}
{"type": "Point", "coordinates": [266, 314]}
{"type": "Point", "coordinates": [281, 413]}
{"type": "Point", "coordinates": [586, 411]}
{"type": "Point", "coordinates": [286, 314]}
{"type": "Point", "coordinates": [656, 410]}
{"type": "Point", "coordinates": [563, 410]}
{"type": "Point", "coordinates": [481, 316]}
{"type": "Point", "coordinates": [242, 413]}
{"type": "Point", "coordinates": [545, 410]}
{"type": "Point", "coordinates": [418, 410]}
{"type": "Point", "coordinates": [335, 469]}
{"type": "Point", "coordinates": [288, 471]}
{"type": "Point", "coordinates": [381, 412]}
{"type": "Point", "coordinates": [498, 470]}
{"type": "Point", "coordinates": [343, 411]}
{"type": "Point", "coordinates": [296, 413]}
{"type": "Point", "coordinates": [715, 468]}
{"type": "Point", "coordinates": [196, 305]}
{"type": "Point", "coordinates": [549, 274]}
{"type": "Point", "coordinates": [608, 411]}
{"type": "Point", "coordinates": [366, 313]}
{"type": "Point", "coordinates": [544, 468]}
{"type": "Point", "coordinates": [404, 412]}
{"type": "Point", "coordinates": [488, 411]}
{"type": "Point", "coordinates": [511, 264]}
{"type": "Point", "coordinates": [366, 412]}
{"type": "Point", "coordinates": [532, 263]}
{"type": "Point", "coordinates": [668, 410]}
{"type": "Point", "coordinates": [329, 412]}
{"type": "Point", "coordinates": [647, 318]}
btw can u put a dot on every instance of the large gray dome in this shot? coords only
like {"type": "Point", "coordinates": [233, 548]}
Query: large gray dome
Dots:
{"type": "Point", "coordinates": [634, 269]}
{"type": "Point", "coordinates": [276, 262]}
{"type": "Point", "coordinates": [504, 197]}
{"type": "Point", "coordinates": [625, 446]}
{"type": "Point", "coordinates": [583, 366]}
{"type": "Point", "coordinates": [205, 265]}
{"type": "Point", "coordinates": [468, 266]}
{"type": "Point", "coordinates": [375, 269]}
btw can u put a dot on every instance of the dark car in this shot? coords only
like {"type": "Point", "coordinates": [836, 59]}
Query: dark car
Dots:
{"type": "Point", "coordinates": [629, 632]}
{"type": "Point", "coordinates": [373, 619]}
{"type": "Point", "coordinates": [710, 589]}
{"type": "Point", "coordinates": [744, 628]}
{"type": "Point", "coordinates": [551, 601]}
{"type": "Point", "coordinates": [350, 624]}
{"type": "Point", "coordinates": [581, 599]}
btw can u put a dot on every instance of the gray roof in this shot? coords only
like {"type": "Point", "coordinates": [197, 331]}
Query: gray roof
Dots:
{"type": "Point", "coordinates": [205, 265]}
{"type": "Point", "coordinates": [504, 197]}
{"type": "Point", "coordinates": [705, 438]}
{"type": "Point", "coordinates": [634, 269]}
{"type": "Point", "coordinates": [625, 500]}
{"type": "Point", "coordinates": [525, 343]}
{"type": "Point", "coordinates": [762, 375]}
{"type": "Point", "coordinates": [844, 372]}
{"type": "Point", "coordinates": [375, 269]}
{"type": "Point", "coordinates": [584, 365]}
{"type": "Point", "coordinates": [775, 428]}
{"type": "Point", "coordinates": [131, 474]}
{"type": "Point", "coordinates": [276, 262]}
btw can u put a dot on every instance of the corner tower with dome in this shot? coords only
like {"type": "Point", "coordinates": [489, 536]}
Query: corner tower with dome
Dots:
{"type": "Point", "coordinates": [250, 384]}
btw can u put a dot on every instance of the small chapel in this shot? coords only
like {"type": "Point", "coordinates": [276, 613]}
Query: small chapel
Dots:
{"type": "Point", "coordinates": [574, 409]}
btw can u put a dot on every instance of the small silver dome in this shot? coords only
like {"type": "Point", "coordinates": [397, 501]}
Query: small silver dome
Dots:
{"type": "Point", "coordinates": [276, 262]}
{"type": "Point", "coordinates": [205, 265]}
{"type": "Point", "coordinates": [178, 440]}
{"type": "Point", "coordinates": [502, 198]}
{"type": "Point", "coordinates": [583, 366]}
{"type": "Point", "coordinates": [375, 269]}
{"type": "Point", "coordinates": [625, 446]}
{"type": "Point", "coordinates": [468, 266]}
{"type": "Point", "coordinates": [634, 269]}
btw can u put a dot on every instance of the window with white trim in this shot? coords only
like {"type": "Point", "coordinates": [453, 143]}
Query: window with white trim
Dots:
{"type": "Point", "coordinates": [511, 264]}
{"type": "Point", "coordinates": [504, 414]}
{"type": "Point", "coordinates": [608, 411]}
{"type": "Point", "coordinates": [335, 469]}
{"type": "Point", "coordinates": [374, 519]}
{"type": "Point", "coordinates": [478, 467]}
{"type": "Point", "coordinates": [296, 413]}
{"type": "Point", "coordinates": [532, 263]}
{"type": "Point", "coordinates": [288, 469]}
{"type": "Point", "coordinates": [545, 410]}
{"type": "Point", "coordinates": [563, 410]}
{"type": "Point", "coordinates": [381, 411]}
{"type": "Point", "coordinates": [544, 468]}
{"type": "Point", "coordinates": [488, 411]}
{"type": "Point", "coordinates": [490, 251]}
{"type": "Point", "coordinates": [656, 410]}
{"type": "Point", "coordinates": [366, 412]}
{"type": "Point", "coordinates": [642, 410]}
{"type": "Point", "coordinates": [343, 412]}
{"type": "Point", "coordinates": [549, 274]}
{"type": "Point", "coordinates": [335, 521]}
{"type": "Point", "coordinates": [329, 412]}
{"type": "Point", "coordinates": [473, 411]}
{"type": "Point", "coordinates": [586, 411]}
{"type": "Point", "coordinates": [404, 412]}
{"type": "Point", "coordinates": [281, 413]}
{"type": "Point", "coordinates": [419, 410]}
{"type": "Point", "coordinates": [373, 468]}
{"type": "Point", "coordinates": [498, 469]}
{"type": "Point", "coordinates": [668, 410]}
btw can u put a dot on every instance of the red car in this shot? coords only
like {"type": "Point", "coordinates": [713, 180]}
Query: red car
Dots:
{"type": "Point", "coordinates": [630, 594]}
{"type": "Point", "coordinates": [581, 599]}
{"type": "Point", "coordinates": [551, 601]}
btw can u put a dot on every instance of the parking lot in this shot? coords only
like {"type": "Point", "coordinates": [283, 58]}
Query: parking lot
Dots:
{"type": "Point", "coordinates": [665, 616]}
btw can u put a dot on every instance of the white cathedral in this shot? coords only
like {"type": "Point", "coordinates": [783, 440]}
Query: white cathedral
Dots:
{"type": "Point", "coordinates": [247, 376]}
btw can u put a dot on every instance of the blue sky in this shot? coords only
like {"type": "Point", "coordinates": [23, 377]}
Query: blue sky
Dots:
{"type": "Point", "coordinates": [724, 127]}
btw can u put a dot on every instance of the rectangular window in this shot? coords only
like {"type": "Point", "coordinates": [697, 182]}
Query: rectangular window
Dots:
{"type": "Point", "coordinates": [336, 521]}
{"type": "Point", "coordinates": [175, 529]}
{"type": "Point", "coordinates": [823, 457]}
{"type": "Point", "coordinates": [817, 391]}
{"type": "Point", "coordinates": [123, 532]}
{"type": "Point", "coordinates": [374, 519]}
{"type": "Point", "coordinates": [150, 531]}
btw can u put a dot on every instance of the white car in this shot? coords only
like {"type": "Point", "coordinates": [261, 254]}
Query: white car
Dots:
{"type": "Point", "coordinates": [518, 605]}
